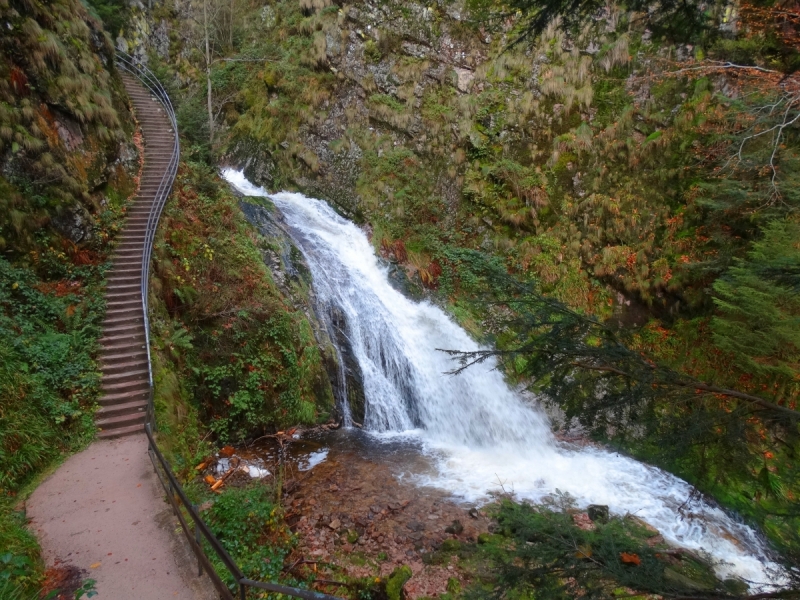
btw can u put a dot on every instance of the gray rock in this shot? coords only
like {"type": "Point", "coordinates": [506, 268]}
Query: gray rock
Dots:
{"type": "Point", "coordinates": [598, 513]}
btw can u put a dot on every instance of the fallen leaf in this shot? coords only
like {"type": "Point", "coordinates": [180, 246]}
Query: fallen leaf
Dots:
{"type": "Point", "coordinates": [583, 552]}
{"type": "Point", "coordinates": [139, 485]}
{"type": "Point", "coordinates": [94, 565]}
{"type": "Point", "coordinates": [200, 467]}
{"type": "Point", "coordinates": [629, 558]}
{"type": "Point", "coordinates": [210, 480]}
{"type": "Point", "coordinates": [226, 451]}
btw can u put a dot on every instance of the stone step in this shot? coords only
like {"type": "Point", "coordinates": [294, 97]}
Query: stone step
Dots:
{"type": "Point", "coordinates": [123, 397]}
{"type": "Point", "coordinates": [132, 276]}
{"type": "Point", "coordinates": [108, 341]}
{"type": "Point", "coordinates": [110, 379]}
{"type": "Point", "coordinates": [122, 356]}
{"type": "Point", "coordinates": [127, 303]}
{"type": "Point", "coordinates": [118, 318]}
{"type": "Point", "coordinates": [119, 285]}
{"type": "Point", "coordinates": [124, 365]}
{"type": "Point", "coordinates": [126, 408]}
{"type": "Point", "coordinates": [121, 421]}
{"type": "Point", "coordinates": [126, 386]}
{"type": "Point", "coordinates": [118, 329]}
{"type": "Point", "coordinates": [110, 434]}
{"type": "Point", "coordinates": [124, 344]}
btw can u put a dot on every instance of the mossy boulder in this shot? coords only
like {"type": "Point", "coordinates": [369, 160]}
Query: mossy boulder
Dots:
{"type": "Point", "coordinates": [396, 581]}
{"type": "Point", "coordinates": [451, 545]}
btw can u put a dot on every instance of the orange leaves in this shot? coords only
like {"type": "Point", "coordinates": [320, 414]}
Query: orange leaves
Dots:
{"type": "Point", "coordinates": [394, 250]}
{"type": "Point", "coordinates": [400, 251]}
{"type": "Point", "coordinates": [19, 82]}
{"type": "Point", "coordinates": [430, 275]}
{"type": "Point", "coordinates": [60, 288]}
{"type": "Point", "coordinates": [630, 558]}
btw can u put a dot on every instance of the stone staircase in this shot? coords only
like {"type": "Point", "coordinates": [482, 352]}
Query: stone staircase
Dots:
{"type": "Point", "coordinates": [123, 356]}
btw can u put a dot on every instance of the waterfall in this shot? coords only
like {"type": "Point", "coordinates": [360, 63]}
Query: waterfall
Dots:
{"type": "Point", "coordinates": [480, 433]}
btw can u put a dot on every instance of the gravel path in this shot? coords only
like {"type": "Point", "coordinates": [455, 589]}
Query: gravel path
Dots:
{"type": "Point", "coordinates": [104, 511]}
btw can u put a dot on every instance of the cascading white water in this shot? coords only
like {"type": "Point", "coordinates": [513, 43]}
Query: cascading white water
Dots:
{"type": "Point", "coordinates": [480, 432]}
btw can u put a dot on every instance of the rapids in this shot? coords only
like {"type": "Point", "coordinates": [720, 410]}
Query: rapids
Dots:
{"type": "Point", "coordinates": [479, 432]}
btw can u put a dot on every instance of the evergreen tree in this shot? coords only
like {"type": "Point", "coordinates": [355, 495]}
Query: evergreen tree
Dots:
{"type": "Point", "coordinates": [758, 303]}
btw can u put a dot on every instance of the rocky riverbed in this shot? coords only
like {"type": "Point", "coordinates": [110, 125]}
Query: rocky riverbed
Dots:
{"type": "Point", "coordinates": [357, 511]}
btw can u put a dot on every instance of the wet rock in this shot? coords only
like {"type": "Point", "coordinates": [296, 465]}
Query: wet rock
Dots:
{"type": "Point", "coordinates": [473, 512]}
{"type": "Point", "coordinates": [74, 223]}
{"type": "Point", "coordinates": [682, 581]}
{"type": "Point", "coordinates": [415, 526]}
{"type": "Point", "coordinates": [598, 513]}
{"type": "Point", "coordinates": [375, 509]}
{"type": "Point", "coordinates": [455, 528]}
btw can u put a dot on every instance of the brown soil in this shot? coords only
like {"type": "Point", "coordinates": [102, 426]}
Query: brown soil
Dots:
{"type": "Point", "coordinates": [63, 579]}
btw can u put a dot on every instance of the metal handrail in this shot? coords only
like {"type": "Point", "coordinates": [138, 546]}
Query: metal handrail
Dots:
{"type": "Point", "coordinates": [175, 492]}
{"type": "Point", "coordinates": [128, 63]}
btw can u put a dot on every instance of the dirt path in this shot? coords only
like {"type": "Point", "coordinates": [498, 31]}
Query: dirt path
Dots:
{"type": "Point", "coordinates": [104, 512]}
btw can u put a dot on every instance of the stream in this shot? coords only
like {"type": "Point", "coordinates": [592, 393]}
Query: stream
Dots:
{"type": "Point", "coordinates": [476, 434]}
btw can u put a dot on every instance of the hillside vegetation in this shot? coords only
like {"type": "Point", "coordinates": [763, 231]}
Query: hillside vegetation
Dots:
{"type": "Point", "coordinates": [67, 167]}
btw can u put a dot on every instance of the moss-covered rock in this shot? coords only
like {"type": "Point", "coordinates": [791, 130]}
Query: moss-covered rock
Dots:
{"type": "Point", "coordinates": [396, 581]}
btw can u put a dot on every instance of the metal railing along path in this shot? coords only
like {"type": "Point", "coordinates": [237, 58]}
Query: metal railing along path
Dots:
{"type": "Point", "coordinates": [175, 493]}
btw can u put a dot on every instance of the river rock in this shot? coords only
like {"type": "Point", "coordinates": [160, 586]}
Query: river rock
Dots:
{"type": "Point", "coordinates": [598, 513]}
{"type": "Point", "coordinates": [415, 526]}
{"type": "Point", "coordinates": [455, 528]}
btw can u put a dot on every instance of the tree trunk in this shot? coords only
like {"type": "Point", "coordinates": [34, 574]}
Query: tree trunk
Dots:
{"type": "Point", "coordinates": [230, 32]}
{"type": "Point", "coordinates": [208, 74]}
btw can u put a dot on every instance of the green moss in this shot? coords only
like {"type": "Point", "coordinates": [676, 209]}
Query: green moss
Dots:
{"type": "Point", "coordinates": [396, 581]}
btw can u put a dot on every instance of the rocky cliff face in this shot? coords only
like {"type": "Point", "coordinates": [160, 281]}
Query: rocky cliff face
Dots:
{"type": "Point", "coordinates": [65, 129]}
{"type": "Point", "coordinates": [387, 58]}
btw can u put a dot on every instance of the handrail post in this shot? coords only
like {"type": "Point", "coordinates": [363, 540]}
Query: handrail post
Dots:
{"type": "Point", "coordinates": [197, 541]}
